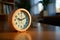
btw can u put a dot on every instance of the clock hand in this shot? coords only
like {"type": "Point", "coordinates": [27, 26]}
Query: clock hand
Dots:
{"type": "Point", "coordinates": [19, 19]}
{"type": "Point", "coordinates": [24, 18]}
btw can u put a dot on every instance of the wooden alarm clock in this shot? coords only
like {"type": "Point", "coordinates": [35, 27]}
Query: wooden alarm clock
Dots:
{"type": "Point", "coordinates": [19, 20]}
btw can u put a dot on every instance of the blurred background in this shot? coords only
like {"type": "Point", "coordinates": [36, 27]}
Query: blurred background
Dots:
{"type": "Point", "coordinates": [42, 11]}
{"type": "Point", "coordinates": [45, 18]}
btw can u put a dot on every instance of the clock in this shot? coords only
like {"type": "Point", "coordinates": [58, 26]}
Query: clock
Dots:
{"type": "Point", "coordinates": [20, 19]}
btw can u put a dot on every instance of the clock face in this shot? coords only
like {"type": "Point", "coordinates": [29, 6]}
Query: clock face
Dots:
{"type": "Point", "coordinates": [21, 19]}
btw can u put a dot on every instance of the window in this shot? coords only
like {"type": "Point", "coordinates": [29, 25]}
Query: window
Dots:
{"type": "Point", "coordinates": [58, 6]}
{"type": "Point", "coordinates": [36, 6]}
{"type": "Point", "coordinates": [40, 7]}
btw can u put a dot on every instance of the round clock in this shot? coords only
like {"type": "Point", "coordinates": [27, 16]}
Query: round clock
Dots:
{"type": "Point", "coordinates": [20, 19]}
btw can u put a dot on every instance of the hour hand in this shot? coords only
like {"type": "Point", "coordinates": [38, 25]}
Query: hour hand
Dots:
{"type": "Point", "coordinates": [24, 18]}
{"type": "Point", "coordinates": [19, 19]}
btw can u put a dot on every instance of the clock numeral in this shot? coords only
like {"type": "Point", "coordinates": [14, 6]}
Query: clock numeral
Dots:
{"type": "Point", "coordinates": [14, 19]}
{"type": "Point", "coordinates": [26, 22]}
{"type": "Point", "coordinates": [16, 22]}
{"type": "Point", "coordinates": [27, 19]}
{"type": "Point", "coordinates": [21, 26]}
{"type": "Point", "coordinates": [18, 13]}
{"type": "Point", "coordinates": [18, 25]}
{"type": "Point", "coordinates": [16, 16]}
{"type": "Point", "coordinates": [25, 25]}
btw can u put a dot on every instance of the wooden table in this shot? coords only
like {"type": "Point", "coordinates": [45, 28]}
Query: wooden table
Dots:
{"type": "Point", "coordinates": [30, 35]}
{"type": "Point", "coordinates": [42, 32]}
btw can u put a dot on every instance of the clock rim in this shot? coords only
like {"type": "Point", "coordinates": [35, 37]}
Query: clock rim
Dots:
{"type": "Point", "coordinates": [29, 16]}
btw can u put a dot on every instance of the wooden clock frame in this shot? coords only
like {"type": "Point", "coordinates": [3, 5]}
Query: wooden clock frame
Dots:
{"type": "Point", "coordinates": [11, 24]}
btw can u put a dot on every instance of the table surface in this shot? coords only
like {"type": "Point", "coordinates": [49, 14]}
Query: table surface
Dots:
{"type": "Point", "coordinates": [39, 32]}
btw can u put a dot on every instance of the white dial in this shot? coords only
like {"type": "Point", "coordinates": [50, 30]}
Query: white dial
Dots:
{"type": "Point", "coordinates": [20, 20]}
